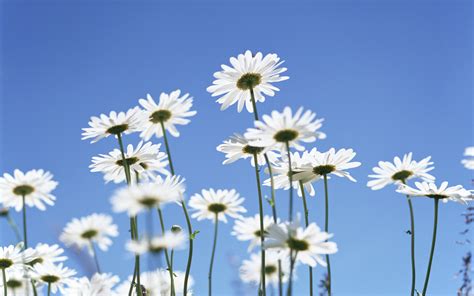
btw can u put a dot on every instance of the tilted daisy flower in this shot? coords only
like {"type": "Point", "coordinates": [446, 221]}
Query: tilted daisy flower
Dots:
{"type": "Point", "coordinates": [146, 196]}
{"type": "Point", "coordinates": [35, 185]}
{"type": "Point", "coordinates": [83, 232]}
{"type": "Point", "coordinates": [308, 243]}
{"type": "Point", "coordinates": [100, 284]}
{"type": "Point", "coordinates": [469, 161]}
{"type": "Point", "coordinates": [172, 109]}
{"type": "Point", "coordinates": [54, 275]}
{"type": "Point", "coordinates": [443, 192]}
{"type": "Point", "coordinates": [221, 202]}
{"type": "Point", "coordinates": [44, 253]}
{"type": "Point", "coordinates": [248, 229]}
{"type": "Point", "coordinates": [169, 240]}
{"type": "Point", "coordinates": [251, 269]}
{"type": "Point", "coordinates": [113, 124]}
{"type": "Point", "coordinates": [279, 129]}
{"type": "Point", "coordinates": [249, 73]}
{"type": "Point", "coordinates": [238, 147]}
{"type": "Point", "coordinates": [144, 161]}
{"type": "Point", "coordinates": [400, 171]}
{"type": "Point", "coordinates": [12, 257]}
{"type": "Point", "coordinates": [320, 164]}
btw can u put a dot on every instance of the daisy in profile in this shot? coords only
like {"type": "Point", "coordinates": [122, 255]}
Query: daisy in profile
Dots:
{"type": "Point", "coordinates": [280, 130]}
{"type": "Point", "coordinates": [172, 109]}
{"type": "Point", "coordinates": [114, 124]}
{"type": "Point", "coordinates": [469, 161]}
{"type": "Point", "coordinates": [144, 161]}
{"type": "Point", "coordinates": [400, 171]}
{"type": "Point", "coordinates": [12, 257]}
{"type": "Point", "coordinates": [100, 284]}
{"type": "Point", "coordinates": [443, 192]}
{"type": "Point", "coordinates": [251, 269]}
{"type": "Point", "coordinates": [44, 253]}
{"type": "Point", "coordinates": [217, 204]}
{"type": "Point", "coordinates": [54, 276]}
{"type": "Point", "coordinates": [168, 241]}
{"type": "Point", "coordinates": [147, 196]}
{"type": "Point", "coordinates": [248, 229]}
{"type": "Point", "coordinates": [249, 77]}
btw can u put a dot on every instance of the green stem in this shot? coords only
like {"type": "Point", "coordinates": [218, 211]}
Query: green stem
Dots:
{"type": "Point", "coordinates": [326, 229]}
{"type": "Point", "coordinates": [306, 219]}
{"type": "Point", "coordinates": [216, 223]}
{"type": "Point", "coordinates": [262, 228]}
{"type": "Point", "coordinates": [254, 104]}
{"type": "Point", "coordinates": [168, 262]}
{"type": "Point", "coordinates": [126, 168]}
{"type": "Point", "coordinates": [412, 238]}
{"type": "Point", "coordinates": [96, 259]}
{"type": "Point", "coordinates": [49, 289]}
{"type": "Point", "coordinates": [292, 267]}
{"type": "Point", "coordinates": [25, 236]}
{"type": "Point", "coordinates": [4, 282]}
{"type": "Point", "coordinates": [14, 227]}
{"type": "Point", "coordinates": [168, 152]}
{"type": "Point", "coordinates": [290, 179]}
{"type": "Point", "coordinates": [433, 243]}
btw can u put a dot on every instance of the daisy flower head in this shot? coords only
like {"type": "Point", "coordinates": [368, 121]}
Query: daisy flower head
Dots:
{"type": "Point", "coordinates": [144, 161]}
{"type": "Point", "coordinates": [249, 74]}
{"type": "Point", "coordinates": [172, 109]}
{"type": "Point", "coordinates": [321, 164]}
{"type": "Point", "coordinates": [443, 192]}
{"type": "Point", "coordinates": [469, 161]}
{"type": "Point", "coordinates": [220, 203]}
{"type": "Point", "coordinates": [277, 130]}
{"type": "Point", "coordinates": [400, 171]}
{"type": "Point", "coordinates": [114, 124]}
{"type": "Point", "coordinates": [168, 241]}
{"type": "Point", "coordinates": [238, 147]}
{"type": "Point", "coordinates": [11, 256]}
{"type": "Point", "coordinates": [44, 253]}
{"type": "Point", "coordinates": [35, 185]}
{"type": "Point", "coordinates": [83, 232]}
{"type": "Point", "coordinates": [17, 282]}
{"type": "Point", "coordinates": [146, 196]}
{"type": "Point", "coordinates": [100, 284]}
{"type": "Point", "coordinates": [250, 271]}
{"type": "Point", "coordinates": [308, 243]}
{"type": "Point", "coordinates": [54, 275]}
{"type": "Point", "coordinates": [248, 229]}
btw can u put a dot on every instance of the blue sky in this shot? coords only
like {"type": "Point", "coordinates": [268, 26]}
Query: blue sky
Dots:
{"type": "Point", "coordinates": [389, 77]}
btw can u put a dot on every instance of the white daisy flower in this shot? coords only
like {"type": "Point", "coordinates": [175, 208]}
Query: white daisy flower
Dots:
{"type": "Point", "coordinates": [101, 284]}
{"type": "Point", "coordinates": [169, 240]}
{"type": "Point", "coordinates": [17, 282]}
{"type": "Point", "coordinates": [443, 192]}
{"type": "Point", "coordinates": [221, 202]}
{"type": "Point", "coordinates": [248, 74]}
{"type": "Point", "coordinates": [12, 257]}
{"type": "Point", "coordinates": [238, 147]}
{"type": "Point", "coordinates": [308, 243]}
{"type": "Point", "coordinates": [44, 253]}
{"type": "Point", "coordinates": [319, 164]}
{"type": "Point", "coordinates": [277, 130]}
{"type": "Point", "coordinates": [145, 196]}
{"type": "Point", "coordinates": [56, 276]}
{"type": "Point", "coordinates": [95, 228]}
{"type": "Point", "coordinates": [171, 110]}
{"type": "Point", "coordinates": [401, 170]}
{"type": "Point", "coordinates": [114, 124]}
{"type": "Point", "coordinates": [145, 161]}
{"type": "Point", "coordinates": [35, 185]}
{"type": "Point", "coordinates": [248, 229]}
{"type": "Point", "coordinates": [469, 161]}
{"type": "Point", "coordinates": [251, 270]}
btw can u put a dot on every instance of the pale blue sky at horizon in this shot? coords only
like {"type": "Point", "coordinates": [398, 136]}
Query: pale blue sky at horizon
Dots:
{"type": "Point", "coordinates": [389, 77]}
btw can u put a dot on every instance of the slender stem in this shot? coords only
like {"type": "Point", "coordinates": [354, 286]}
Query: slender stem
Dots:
{"type": "Point", "coordinates": [96, 259]}
{"type": "Point", "coordinates": [412, 237]}
{"type": "Point", "coordinates": [326, 229]}
{"type": "Point", "coordinates": [216, 223]}
{"type": "Point", "coordinates": [168, 152]}
{"type": "Point", "coordinates": [168, 262]}
{"type": "Point", "coordinates": [306, 219]}
{"type": "Point", "coordinates": [126, 168]}
{"type": "Point", "coordinates": [433, 243]}
{"type": "Point", "coordinates": [4, 282]}
{"type": "Point", "coordinates": [290, 178]}
{"type": "Point", "coordinates": [262, 228]}
{"type": "Point", "coordinates": [49, 289]}
{"type": "Point", "coordinates": [133, 281]}
{"type": "Point", "coordinates": [292, 267]}
{"type": "Point", "coordinates": [25, 236]}
{"type": "Point", "coordinates": [254, 104]}
{"type": "Point", "coordinates": [14, 227]}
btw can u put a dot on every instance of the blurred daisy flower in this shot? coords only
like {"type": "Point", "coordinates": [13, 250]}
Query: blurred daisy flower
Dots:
{"type": "Point", "coordinates": [44, 253]}
{"type": "Point", "coordinates": [443, 192]}
{"type": "Point", "coordinates": [55, 276]}
{"type": "Point", "coordinates": [100, 284]}
{"type": "Point", "coordinates": [12, 257]}
{"type": "Point", "coordinates": [251, 269]}
{"type": "Point", "coordinates": [238, 147]}
{"type": "Point", "coordinates": [169, 240]}
{"type": "Point", "coordinates": [221, 202]}
{"type": "Point", "coordinates": [248, 229]}
{"type": "Point", "coordinates": [469, 161]}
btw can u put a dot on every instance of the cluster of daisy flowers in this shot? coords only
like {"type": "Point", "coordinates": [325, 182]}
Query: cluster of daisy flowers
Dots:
{"type": "Point", "coordinates": [283, 155]}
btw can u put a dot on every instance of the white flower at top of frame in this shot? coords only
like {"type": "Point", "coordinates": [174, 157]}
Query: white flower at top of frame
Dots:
{"type": "Point", "coordinates": [145, 161]}
{"type": "Point", "coordinates": [248, 229]}
{"type": "Point", "coordinates": [469, 161]}
{"type": "Point", "coordinates": [35, 185]}
{"type": "Point", "coordinates": [250, 271]}
{"type": "Point", "coordinates": [238, 147]}
{"type": "Point", "coordinates": [12, 256]}
{"type": "Point", "coordinates": [100, 284]}
{"type": "Point", "coordinates": [400, 171]}
{"type": "Point", "coordinates": [443, 192]}
{"type": "Point", "coordinates": [113, 124]}
{"type": "Point", "coordinates": [281, 170]}
{"type": "Point", "coordinates": [95, 228]}
{"type": "Point", "coordinates": [44, 253]}
{"type": "Point", "coordinates": [309, 243]}
{"type": "Point", "coordinates": [277, 129]}
{"type": "Point", "coordinates": [319, 164]}
{"type": "Point", "coordinates": [221, 202]}
{"type": "Point", "coordinates": [248, 71]}
{"type": "Point", "coordinates": [169, 240]}
{"type": "Point", "coordinates": [172, 109]}
{"type": "Point", "coordinates": [146, 196]}
{"type": "Point", "coordinates": [55, 275]}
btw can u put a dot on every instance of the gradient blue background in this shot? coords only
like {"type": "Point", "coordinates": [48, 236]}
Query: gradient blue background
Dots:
{"type": "Point", "coordinates": [389, 77]}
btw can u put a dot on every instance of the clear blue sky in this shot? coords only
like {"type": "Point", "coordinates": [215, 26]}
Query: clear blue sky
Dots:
{"type": "Point", "coordinates": [389, 77]}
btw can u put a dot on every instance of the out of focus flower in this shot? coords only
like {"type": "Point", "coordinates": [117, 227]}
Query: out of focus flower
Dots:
{"type": "Point", "coordinates": [248, 229]}
{"type": "Point", "coordinates": [238, 147]}
{"type": "Point", "coordinates": [44, 253]}
{"type": "Point", "coordinates": [251, 269]}
{"type": "Point", "coordinates": [54, 275]}
{"type": "Point", "coordinates": [469, 161]}
{"type": "Point", "coordinates": [100, 284]}
{"type": "Point", "coordinates": [443, 192]}
{"type": "Point", "coordinates": [169, 240]}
